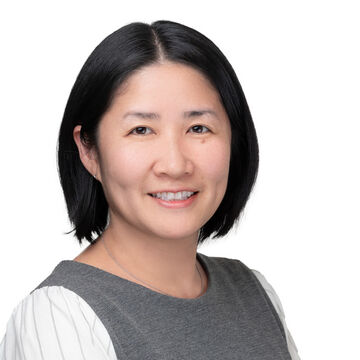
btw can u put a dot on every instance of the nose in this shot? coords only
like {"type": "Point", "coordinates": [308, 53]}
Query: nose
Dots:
{"type": "Point", "coordinates": [173, 158]}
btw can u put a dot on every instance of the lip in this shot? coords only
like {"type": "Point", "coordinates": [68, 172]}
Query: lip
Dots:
{"type": "Point", "coordinates": [176, 204]}
{"type": "Point", "coordinates": [172, 190]}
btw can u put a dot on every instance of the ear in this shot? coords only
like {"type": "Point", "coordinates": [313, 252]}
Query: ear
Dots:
{"type": "Point", "coordinates": [88, 155]}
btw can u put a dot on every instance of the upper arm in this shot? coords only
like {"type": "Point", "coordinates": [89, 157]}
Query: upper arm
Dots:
{"type": "Point", "coordinates": [55, 323]}
{"type": "Point", "coordinates": [279, 309]}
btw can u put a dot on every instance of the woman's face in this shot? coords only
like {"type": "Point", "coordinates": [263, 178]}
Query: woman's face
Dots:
{"type": "Point", "coordinates": [178, 146]}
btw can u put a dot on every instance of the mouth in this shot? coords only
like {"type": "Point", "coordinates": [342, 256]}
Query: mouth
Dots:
{"type": "Point", "coordinates": [164, 198]}
{"type": "Point", "coordinates": [182, 200]}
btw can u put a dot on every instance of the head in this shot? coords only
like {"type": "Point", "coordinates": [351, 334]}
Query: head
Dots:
{"type": "Point", "coordinates": [164, 68]}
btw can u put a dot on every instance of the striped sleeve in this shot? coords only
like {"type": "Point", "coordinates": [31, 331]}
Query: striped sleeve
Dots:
{"type": "Point", "coordinates": [54, 323]}
{"type": "Point", "coordinates": [279, 309]}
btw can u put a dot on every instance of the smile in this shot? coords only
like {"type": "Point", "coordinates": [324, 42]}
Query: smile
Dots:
{"type": "Point", "coordinates": [175, 203]}
{"type": "Point", "coordinates": [171, 196]}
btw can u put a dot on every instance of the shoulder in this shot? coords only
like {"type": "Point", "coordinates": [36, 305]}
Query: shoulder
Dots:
{"type": "Point", "coordinates": [54, 322]}
{"type": "Point", "coordinates": [279, 309]}
{"type": "Point", "coordinates": [271, 293]}
{"type": "Point", "coordinates": [238, 268]}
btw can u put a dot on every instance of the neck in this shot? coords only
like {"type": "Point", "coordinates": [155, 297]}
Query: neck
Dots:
{"type": "Point", "coordinates": [167, 264]}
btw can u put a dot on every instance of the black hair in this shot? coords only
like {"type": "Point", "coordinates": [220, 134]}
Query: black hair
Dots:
{"type": "Point", "coordinates": [126, 50]}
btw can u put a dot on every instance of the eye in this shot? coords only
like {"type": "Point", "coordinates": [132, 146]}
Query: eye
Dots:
{"type": "Point", "coordinates": [142, 129]}
{"type": "Point", "coordinates": [199, 127]}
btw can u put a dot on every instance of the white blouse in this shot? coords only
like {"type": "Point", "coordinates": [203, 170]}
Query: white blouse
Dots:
{"type": "Point", "coordinates": [54, 323]}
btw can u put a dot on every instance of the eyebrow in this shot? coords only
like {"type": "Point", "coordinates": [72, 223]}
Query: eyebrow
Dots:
{"type": "Point", "coordinates": [187, 114]}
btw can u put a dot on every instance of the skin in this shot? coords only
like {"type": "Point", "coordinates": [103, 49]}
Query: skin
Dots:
{"type": "Point", "coordinates": [136, 156]}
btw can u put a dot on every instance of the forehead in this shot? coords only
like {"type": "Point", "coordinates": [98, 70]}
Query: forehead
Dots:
{"type": "Point", "coordinates": [168, 81]}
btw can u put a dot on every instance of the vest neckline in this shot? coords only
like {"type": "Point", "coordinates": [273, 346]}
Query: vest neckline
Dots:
{"type": "Point", "coordinates": [76, 267]}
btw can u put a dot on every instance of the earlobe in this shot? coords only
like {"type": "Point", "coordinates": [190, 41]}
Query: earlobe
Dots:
{"type": "Point", "coordinates": [86, 153]}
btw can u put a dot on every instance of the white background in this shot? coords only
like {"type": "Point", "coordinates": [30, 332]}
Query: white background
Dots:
{"type": "Point", "coordinates": [298, 63]}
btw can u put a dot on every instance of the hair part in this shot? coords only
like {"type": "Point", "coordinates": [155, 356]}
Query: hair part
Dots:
{"type": "Point", "coordinates": [104, 75]}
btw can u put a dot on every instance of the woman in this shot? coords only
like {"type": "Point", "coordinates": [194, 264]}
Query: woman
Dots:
{"type": "Point", "coordinates": [157, 152]}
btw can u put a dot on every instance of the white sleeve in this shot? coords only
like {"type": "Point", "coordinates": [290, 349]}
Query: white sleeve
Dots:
{"type": "Point", "coordinates": [54, 323]}
{"type": "Point", "coordinates": [278, 307]}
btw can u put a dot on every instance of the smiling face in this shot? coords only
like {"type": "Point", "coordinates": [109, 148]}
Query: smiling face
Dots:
{"type": "Point", "coordinates": [180, 139]}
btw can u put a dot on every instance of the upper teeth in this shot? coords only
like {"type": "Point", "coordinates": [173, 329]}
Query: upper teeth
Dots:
{"type": "Point", "coordinates": [181, 195]}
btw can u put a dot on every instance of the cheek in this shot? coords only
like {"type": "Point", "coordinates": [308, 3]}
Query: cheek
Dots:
{"type": "Point", "coordinates": [215, 162]}
{"type": "Point", "coordinates": [123, 167]}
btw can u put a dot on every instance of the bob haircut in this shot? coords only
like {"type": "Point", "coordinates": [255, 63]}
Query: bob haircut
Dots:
{"type": "Point", "coordinates": [115, 59]}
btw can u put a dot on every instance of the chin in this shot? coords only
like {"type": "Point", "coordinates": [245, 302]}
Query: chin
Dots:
{"type": "Point", "coordinates": [176, 234]}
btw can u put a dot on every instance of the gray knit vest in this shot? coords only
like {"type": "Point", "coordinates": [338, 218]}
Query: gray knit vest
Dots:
{"type": "Point", "coordinates": [234, 319]}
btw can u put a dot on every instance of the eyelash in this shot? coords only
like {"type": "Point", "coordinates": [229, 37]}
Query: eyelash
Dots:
{"type": "Point", "coordinates": [145, 127]}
